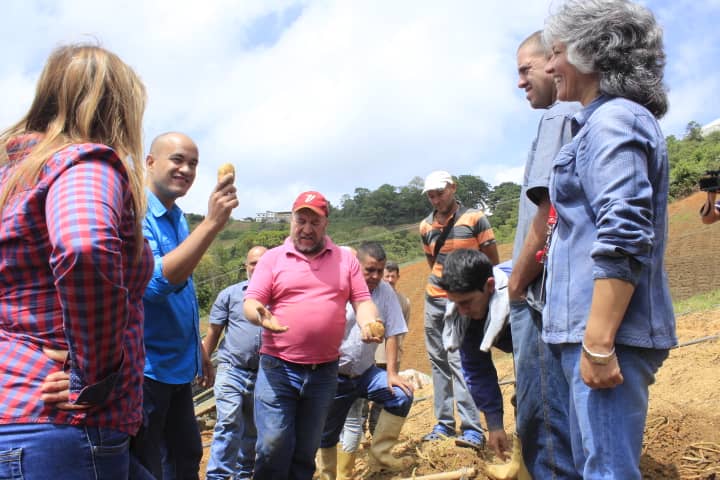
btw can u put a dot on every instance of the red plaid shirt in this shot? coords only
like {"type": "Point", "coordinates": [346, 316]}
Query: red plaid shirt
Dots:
{"type": "Point", "coordinates": [69, 280]}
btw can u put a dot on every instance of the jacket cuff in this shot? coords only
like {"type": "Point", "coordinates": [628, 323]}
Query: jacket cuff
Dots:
{"type": "Point", "coordinates": [494, 420]}
{"type": "Point", "coordinates": [621, 267]}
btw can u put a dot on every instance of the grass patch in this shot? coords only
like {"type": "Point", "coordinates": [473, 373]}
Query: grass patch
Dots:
{"type": "Point", "coordinates": [700, 302]}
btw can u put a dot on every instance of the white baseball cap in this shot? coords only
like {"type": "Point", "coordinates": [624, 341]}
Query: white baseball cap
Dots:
{"type": "Point", "coordinates": [437, 180]}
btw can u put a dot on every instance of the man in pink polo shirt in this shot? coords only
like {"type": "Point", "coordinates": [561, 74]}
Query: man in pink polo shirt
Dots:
{"type": "Point", "coordinates": [298, 294]}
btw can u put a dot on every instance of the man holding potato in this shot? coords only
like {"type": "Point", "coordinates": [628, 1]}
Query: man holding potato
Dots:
{"type": "Point", "coordinates": [169, 441]}
{"type": "Point", "coordinates": [298, 294]}
{"type": "Point", "coordinates": [358, 377]}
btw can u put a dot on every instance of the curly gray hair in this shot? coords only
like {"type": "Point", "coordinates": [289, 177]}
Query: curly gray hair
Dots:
{"type": "Point", "coordinates": [619, 40]}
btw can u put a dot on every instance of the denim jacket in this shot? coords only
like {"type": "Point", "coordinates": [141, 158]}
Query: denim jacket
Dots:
{"type": "Point", "coordinates": [610, 188]}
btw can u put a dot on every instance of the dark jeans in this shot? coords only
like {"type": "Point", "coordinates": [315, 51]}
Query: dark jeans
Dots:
{"type": "Point", "coordinates": [168, 444]}
{"type": "Point", "coordinates": [291, 403]}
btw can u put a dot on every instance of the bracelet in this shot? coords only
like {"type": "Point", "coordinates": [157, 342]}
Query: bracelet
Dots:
{"type": "Point", "coordinates": [598, 358]}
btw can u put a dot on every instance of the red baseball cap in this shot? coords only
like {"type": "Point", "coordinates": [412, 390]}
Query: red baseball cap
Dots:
{"type": "Point", "coordinates": [315, 201]}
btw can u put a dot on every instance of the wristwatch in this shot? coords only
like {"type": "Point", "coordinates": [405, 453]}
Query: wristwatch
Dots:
{"type": "Point", "coordinates": [598, 358]}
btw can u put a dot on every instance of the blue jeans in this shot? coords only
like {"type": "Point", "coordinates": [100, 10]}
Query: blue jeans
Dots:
{"type": "Point", "coordinates": [448, 381]}
{"type": "Point", "coordinates": [372, 385]}
{"type": "Point", "coordinates": [62, 452]}
{"type": "Point", "coordinates": [352, 430]}
{"type": "Point", "coordinates": [291, 402]}
{"type": "Point", "coordinates": [606, 425]}
{"type": "Point", "coordinates": [232, 454]}
{"type": "Point", "coordinates": [541, 410]}
{"type": "Point", "coordinates": [168, 444]}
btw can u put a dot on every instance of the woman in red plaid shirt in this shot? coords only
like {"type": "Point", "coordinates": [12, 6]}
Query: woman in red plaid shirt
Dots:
{"type": "Point", "coordinates": [73, 268]}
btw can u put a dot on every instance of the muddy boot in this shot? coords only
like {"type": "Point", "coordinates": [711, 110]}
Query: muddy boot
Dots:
{"type": "Point", "coordinates": [326, 462]}
{"type": "Point", "coordinates": [345, 464]}
{"type": "Point", "coordinates": [514, 469]}
{"type": "Point", "coordinates": [384, 439]}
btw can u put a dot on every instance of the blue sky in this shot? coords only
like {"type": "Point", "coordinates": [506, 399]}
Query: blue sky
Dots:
{"type": "Point", "coordinates": [335, 95]}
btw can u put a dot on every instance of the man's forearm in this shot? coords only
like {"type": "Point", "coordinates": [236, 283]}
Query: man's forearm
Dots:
{"type": "Point", "coordinates": [250, 311]}
{"type": "Point", "coordinates": [391, 354]}
{"type": "Point", "coordinates": [180, 263]}
{"type": "Point", "coordinates": [365, 312]}
{"type": "Point", "coordinates": [491, 252]}
{"type": "Point", "coordinates": [708, 212]}
{"type": "Point", "coordinates": [526, 268]}
{"type": "Point", "coordinates": [212, 338]}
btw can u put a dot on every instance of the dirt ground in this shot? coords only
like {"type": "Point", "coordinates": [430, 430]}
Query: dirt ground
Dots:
{"type": "Point", "coordinates": [682, 437]}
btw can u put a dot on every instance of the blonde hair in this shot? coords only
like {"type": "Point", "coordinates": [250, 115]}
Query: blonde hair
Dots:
{"type": "Point", "coordinates": [85, 94]}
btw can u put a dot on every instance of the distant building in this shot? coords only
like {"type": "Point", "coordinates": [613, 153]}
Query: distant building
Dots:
{"type": "Point", "coordinates": [711, 127]}
{"type": "Point", "coordinates": [273, 217]}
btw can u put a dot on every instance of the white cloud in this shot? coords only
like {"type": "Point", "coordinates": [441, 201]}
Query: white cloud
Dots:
{"type": "Point", "coordinates": [349, 94]}
{"type": "Point", "coordinates": [514, 174]}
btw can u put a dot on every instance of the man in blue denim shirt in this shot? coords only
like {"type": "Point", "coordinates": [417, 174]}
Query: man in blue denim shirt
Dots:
{"type": "Point", "coordinates": [232, 454]}
{"type": "Point", "coordinates": [535, 404]}
{"type": "Point", "coordinates": [169, 443]}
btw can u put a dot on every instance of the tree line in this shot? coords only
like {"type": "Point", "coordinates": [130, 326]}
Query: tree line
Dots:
{"type": "Point", "coordinates": [390, 214]}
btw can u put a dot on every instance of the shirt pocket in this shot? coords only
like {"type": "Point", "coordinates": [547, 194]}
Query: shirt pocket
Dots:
{"type": "Point", "coordinates": [566, 180]}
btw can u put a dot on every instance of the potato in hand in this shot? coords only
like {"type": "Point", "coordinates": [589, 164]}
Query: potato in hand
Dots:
{"type": "Point", "coordinates": [226, 169]}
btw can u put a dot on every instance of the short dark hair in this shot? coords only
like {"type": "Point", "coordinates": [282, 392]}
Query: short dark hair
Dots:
{"type": "Point", "coordinates": [372, 249]}
{"type": "Point", "coordinates": [465, 270]}
{"type": "Point", "coordinates": [391, 266]}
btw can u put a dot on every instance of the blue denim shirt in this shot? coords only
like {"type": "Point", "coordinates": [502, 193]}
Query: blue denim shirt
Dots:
{"type": "Point", "coordinates": [240, 345]}
{"type": "Point", "coordinates": [172, 319]}
{"type": "Point", "coordinates": [610, 189]}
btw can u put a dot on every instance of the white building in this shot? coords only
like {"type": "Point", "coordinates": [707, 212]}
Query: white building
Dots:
{"type": "Point", "coordinates": [273, 217]}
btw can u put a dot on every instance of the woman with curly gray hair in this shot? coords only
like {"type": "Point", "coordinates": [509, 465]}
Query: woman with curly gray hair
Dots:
{"type": "Point", "coordinates": [608, 315]}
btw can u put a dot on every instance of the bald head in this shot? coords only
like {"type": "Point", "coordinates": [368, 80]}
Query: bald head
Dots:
{"type": "Point", "coordinates": [163, 139]}
{"type": "Point", "coordinates": [171, 166]}
{"type": "Point", "coordinates": [253, 257]}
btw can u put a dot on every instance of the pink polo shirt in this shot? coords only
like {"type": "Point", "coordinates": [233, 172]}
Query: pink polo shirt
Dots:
{"type": "Point", "coordinates": [309, 296]}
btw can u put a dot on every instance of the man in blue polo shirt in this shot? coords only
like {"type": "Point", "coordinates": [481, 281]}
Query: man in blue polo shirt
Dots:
{"type": "Point", "coordinates": [169, 443]}
{"type": "Point", "coordinates": [232, 454]}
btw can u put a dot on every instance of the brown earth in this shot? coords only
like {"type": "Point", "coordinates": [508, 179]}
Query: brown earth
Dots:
{"type": "Point", "coordinates": [682, 437]}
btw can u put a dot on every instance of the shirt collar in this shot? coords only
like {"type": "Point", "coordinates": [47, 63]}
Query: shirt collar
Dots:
{"type": "Point", "coordinates": [157, 209]}
{"type": "Point", "coordinates": [583, 115]}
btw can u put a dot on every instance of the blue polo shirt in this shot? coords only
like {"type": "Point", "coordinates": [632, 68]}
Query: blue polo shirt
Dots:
{"type": "Point", "coordinates": [240, 345]}
{"type": "Point", "coordinates": [172, 329]}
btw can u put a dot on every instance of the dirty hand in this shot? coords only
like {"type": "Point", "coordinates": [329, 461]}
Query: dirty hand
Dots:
{"type": "Point", "coordinates": [369, 333]}
{"type": "Point", "coordinates": [498, 441]}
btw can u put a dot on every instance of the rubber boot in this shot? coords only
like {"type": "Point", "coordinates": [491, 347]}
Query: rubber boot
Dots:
{"type": "Point", "coordinates": [345, 464]}
{"type": "Point", "coordinates": [384, 439]}
{"type": "Point", "coordinates": [326, 462]}
{"type": "Point", "coordinates": [514, 469]}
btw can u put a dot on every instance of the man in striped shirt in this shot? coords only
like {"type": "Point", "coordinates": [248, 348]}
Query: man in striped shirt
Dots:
{"type": "Point", "coordinates": [449, 227]}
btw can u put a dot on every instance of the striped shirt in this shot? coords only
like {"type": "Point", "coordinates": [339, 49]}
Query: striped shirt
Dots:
{"type": "Point", "coordinates": [471, 230]}
{"type": "Point", "coordinates": [69, 280]}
